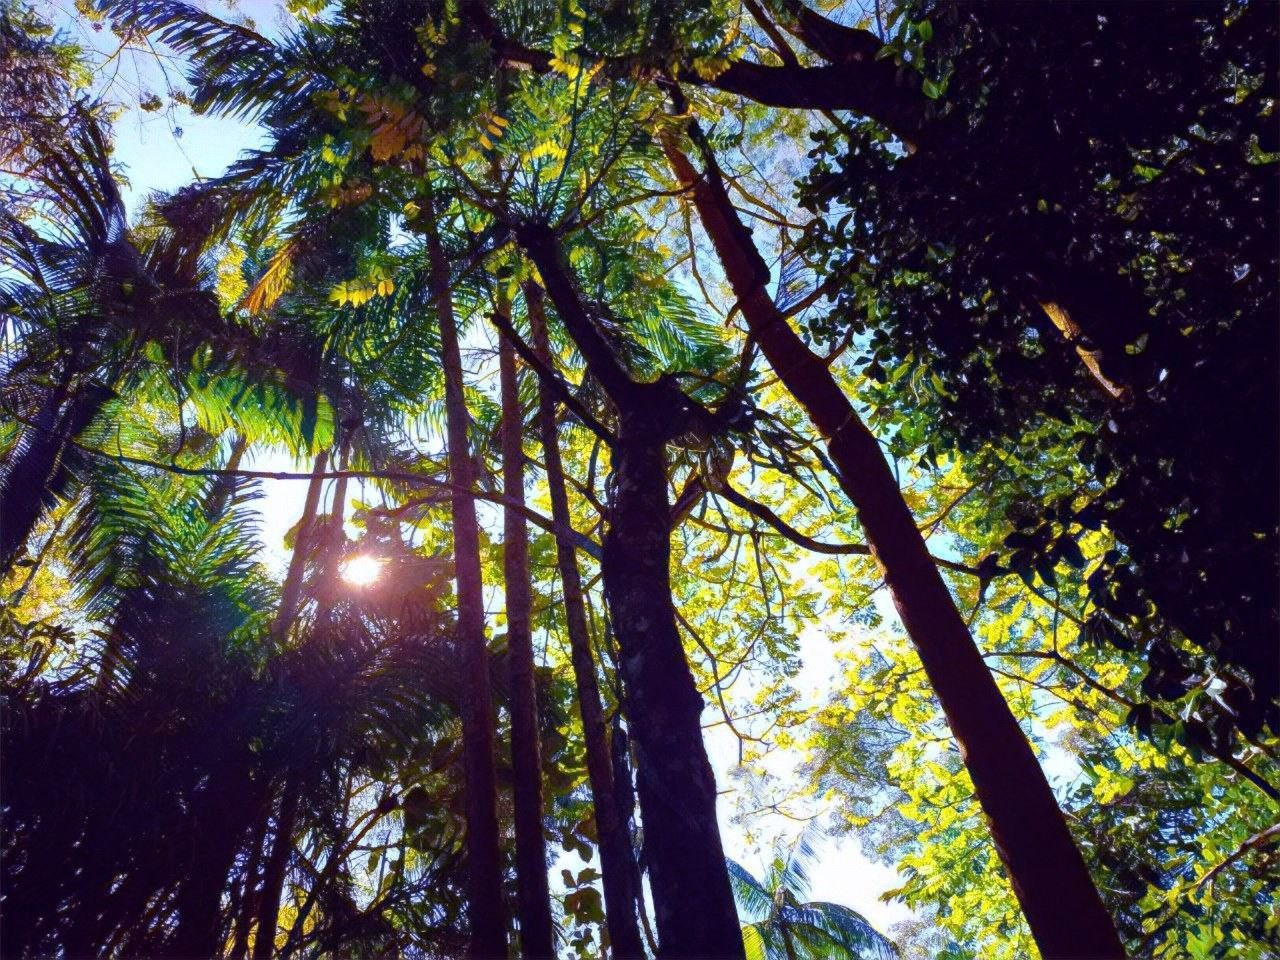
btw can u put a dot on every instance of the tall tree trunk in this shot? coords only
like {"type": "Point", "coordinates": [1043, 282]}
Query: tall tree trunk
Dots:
{"type": "Point", "coordinates": [264, 942]}
{"type": "Point", "coordinates": [484, 864]}
{"type": "Point", "coordinates": [617, 862]}
{"type": "Point", "coordinates": [223, 487]}
{"type": "Point", "coordinates": [536, 934]}
{"type": "Point", "coordinates": [692, 897]}
{"type": "Point", "coordinates": [247, 908]}
{"type": "Point", "coordinates": [625, 804]}
{"type": "Point", "coordinates": [291, 592]}
{"type": "Point", "coordinates": [218, 822]}
{"type": "Point", "coordinates": [1049, 877]}
{"type": "Point", "coordinates": [690, 882]}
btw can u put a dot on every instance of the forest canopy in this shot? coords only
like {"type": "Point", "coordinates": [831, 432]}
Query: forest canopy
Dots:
{"type": "Point", "coordinates": [759, 479]}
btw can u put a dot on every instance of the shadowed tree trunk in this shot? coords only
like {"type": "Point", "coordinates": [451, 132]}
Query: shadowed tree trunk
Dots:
{"type": "Point", "coordinates": [224, 485]}
{"type": "Point", "coordinates": [264, 943]}
{"type": "Point", "coordinates": [692, 898]}
{"type": "Point", "coordinates": [484, 865]}
{"type": "Point", "coordinates": [1049, 877]}
{"type": "Point", "coordinates": [536, 934]}
{"type": "Point", "coordinates": [219, 819]}
{"type": "Point", "coordinates": [617, 862]}
{"type": "Point", "coordinates": [247, 905]}
{"type": "Point", "coordinates": [674, 779]}
{"type": "Point", "coordinates": [291, 591]}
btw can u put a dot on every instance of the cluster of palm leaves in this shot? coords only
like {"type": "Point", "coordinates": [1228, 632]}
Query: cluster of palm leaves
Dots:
{"type": "Point", "coordinates": [782, 924]}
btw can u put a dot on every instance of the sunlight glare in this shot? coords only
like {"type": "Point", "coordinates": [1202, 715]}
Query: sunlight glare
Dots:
{"type": "Point", "coordinates": [361, 570]}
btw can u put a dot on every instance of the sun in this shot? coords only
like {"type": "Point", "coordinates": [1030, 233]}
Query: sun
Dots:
{"type": "Point", "coordinates": [361, 570]}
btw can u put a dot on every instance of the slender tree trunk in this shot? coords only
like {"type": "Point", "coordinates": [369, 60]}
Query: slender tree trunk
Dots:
{"type": "Point", "coordinates": [484, 864]}
{"type": "Point", "coordinates": [690, 882]}
{"type": "Point", "coordinates": [224, 486]}
{"type": "Point", "coordinates": [218, 823]}
{"type": "Point", "coordinates": [331, 539]}
{"type": "Point", "coordinates": [291, 592]}
{"type": "Point", "coordinates": [625, 804]}
{"type": "Point", "coordinates": [617, 862]}
{"type": "Point", "coordinates": [264, 943]}
{"type": "Point", "coordinates": [1048, 875]}
{"type": "Point", "coordinates": [249, 893]}
{"type": "Point", "coordinates": [536, 934]}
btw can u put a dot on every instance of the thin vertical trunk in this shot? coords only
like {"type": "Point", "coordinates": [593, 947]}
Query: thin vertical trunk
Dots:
{"type": "Point", "coordinates": [536, 934]}
{"type": "Point", "coordinates": [617, 862]}
{"type": "Point", "coordinates": [1049, 877]}
{"type": "Point", "coordinates": [484, 864]}
{"type": "Point", "coordinates": [247, 907]}
{"type": "Point", "coordinates": [291, 592]}
{"type": "Point", "coordinates": [690, 882]}
{"type": "Point", "coordinates": [331, 539]}
{"type": "Point", "coordinates": [264, 941]}
{"type": "Point", "coordinates": [625, 803]}
{"type": "Point", "coordinates": [223, 487]}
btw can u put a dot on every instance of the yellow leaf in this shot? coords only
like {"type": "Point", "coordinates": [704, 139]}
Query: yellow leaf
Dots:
{"type": "Point", "coordinates": [274, 280]}
{"type": "Point", "coordinates": [388, 140]}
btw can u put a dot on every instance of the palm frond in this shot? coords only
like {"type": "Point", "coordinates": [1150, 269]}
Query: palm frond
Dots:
{"type": "Point", "coordinates": [831, 929]}
{"type": "Point", "coordinates": [753, 899]}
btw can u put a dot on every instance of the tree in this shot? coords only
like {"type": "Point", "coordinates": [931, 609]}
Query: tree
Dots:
{"type": "Point", "coordinates": [531, 850]}
{"type": "Point", "coordinates": [782, 925]}
{"type": "Point", "coordinates": [1048, 874]}
{"type": "Point", "coordinates": [997, 287]}
{"type": "Point", "coordinates": [488, 924]}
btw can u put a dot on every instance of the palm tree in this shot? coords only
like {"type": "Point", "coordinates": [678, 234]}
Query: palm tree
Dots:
{"type": "Point", "coordinates": [782, 925]}
{"type": "Point", "coordinates": [82, 297]}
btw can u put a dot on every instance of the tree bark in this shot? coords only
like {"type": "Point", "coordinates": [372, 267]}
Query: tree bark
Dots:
{"type": "Point", "coordinates": [291, 591]}
{"type": "Point", "coordinates": [264, 942]}
{"type": "Point", "coordinates": [617, 862]}
{"type": "Point", "coordinates": [484, 863]}
{"type": "Point", "coordinates": [693, 901]}
{"type": "Point", "coordinates": [1049, 877]}
{"type": "Point", "coordinates": [219, 820]}
{"type": "Point", "coordinates": [692, 897]}
{"type": "Point", "coordinates": [223, 487]}
{"type": "Point", "coordinates": [536, 933]}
